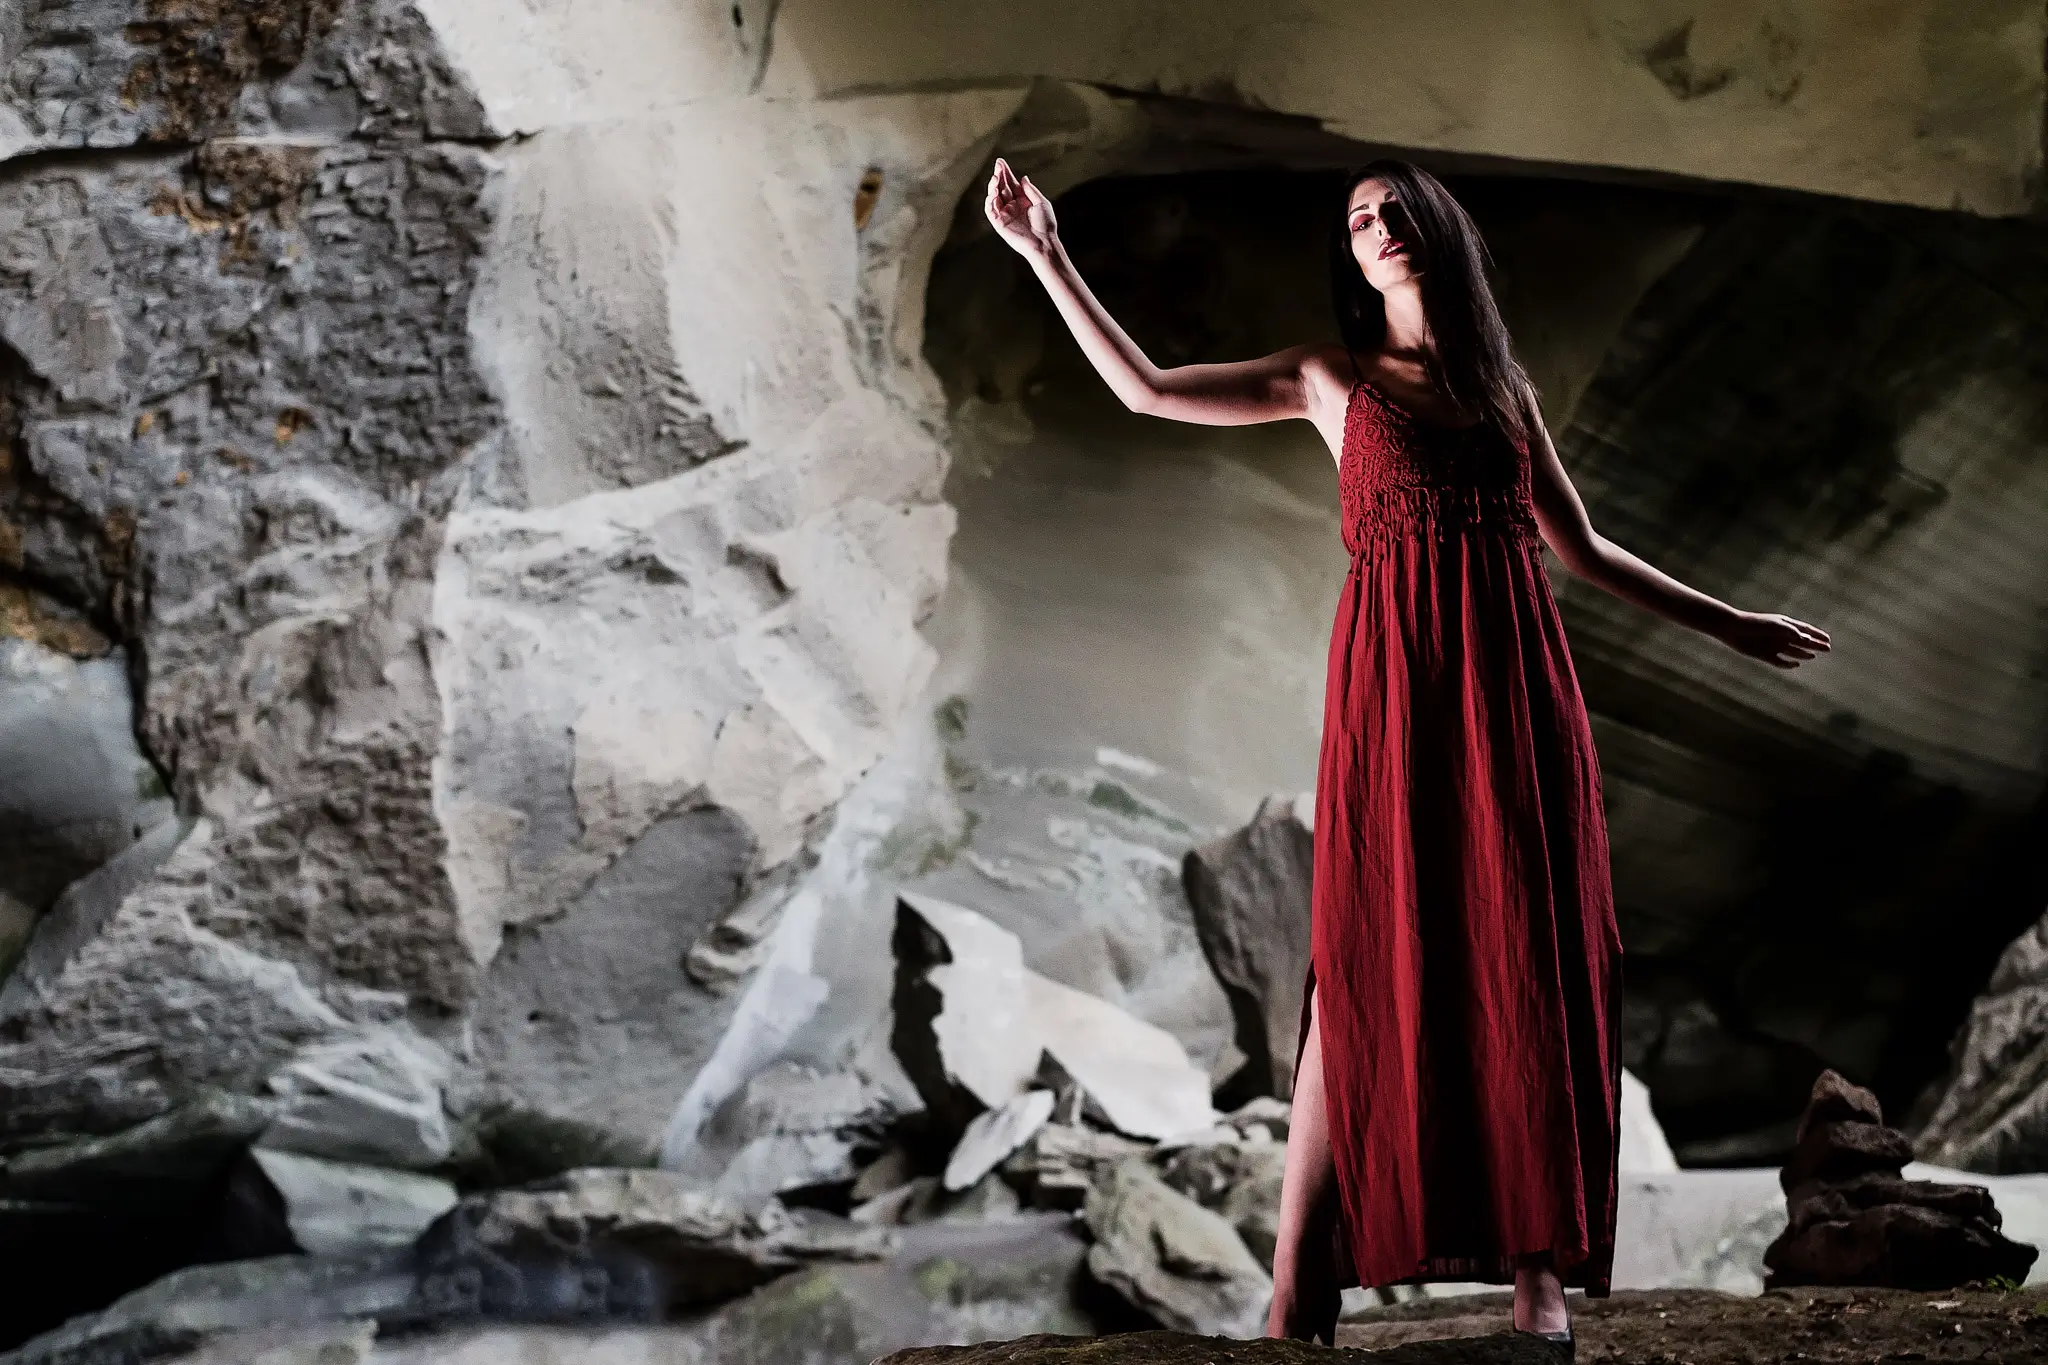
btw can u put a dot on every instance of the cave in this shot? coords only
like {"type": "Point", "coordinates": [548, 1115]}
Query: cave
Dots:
{"type": "Point", "coordinates": [524, 530]}
{"type": "Point", "coordinates": [1781, 399]}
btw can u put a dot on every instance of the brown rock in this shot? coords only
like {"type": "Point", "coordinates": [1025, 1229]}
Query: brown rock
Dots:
{"type": "Point", "coordinates": [1835, 1100]}
{"type": "Point", "coordinates": [1840, 1150]}
{"type": "Point", "coordinates": [1821, 1203]}
{"type": "Point", "coordinates": [1899, 1246]}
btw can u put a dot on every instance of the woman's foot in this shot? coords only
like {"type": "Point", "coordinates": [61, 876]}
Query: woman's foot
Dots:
{"type": "Point", "coordinates": [1307, 1315]}
{"type": "Point", "coordinates": [1539, 1301]}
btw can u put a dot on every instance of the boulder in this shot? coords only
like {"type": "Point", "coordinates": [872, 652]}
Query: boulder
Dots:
{"type": "Point", "coordinates": [189, 1146]}
{"type": "Point", "coordinates": [598, 1244]}
{"type": "Point", "coordinates": [951, 1282]}
{"type": "Point", "coordinates": [964, 1028]}
{"type": "Point", "coordinates": [1250, 894]}
{"type": "Point", "coordinates": [1261, 1114]}
{"type": "Point", "coordinates": [789, 1127]}
{"type": "Point", "coordinates": [1240, 1181]}
{"type": "Point", "coordinates": [971, 1021]}
{"type": "Point", "coordinates": [776, 1163]}
{"type": "Point", "coordinates": [1990, 1113]}
{"type": "Point", "coordinates": [1062, 1162]}
{"type": "Point", "coordinates": [80, 913]}
{"type": "Point", "coordinates": [326, 1343]}
{"type": "Point", "coordinates": [499, 1144]}
{"type": "Point", "coordinates": [992, 1137]}
{"type": "Point", "coordinates": [339, 1208]}
{"type": "Point", "coordinates": [208, 1302]}
{"type": "Point", "coordinates": [1171, 1259]}
{"type": "Point", "coordinates": [1852, 1219]}
{"type": "Point", "coordinates": [1837, 1100]}
{"type": "Point", "coordinates": [374, 1098]}
{"type": "Point", "coordinates": [926, 1199]}
{"type": "Point", "coordinates": [1136, 1075]}
{"type": "Point", "coordinates": [910, 1202]}
{"type": "Point", "coordinates": [892, 1170]}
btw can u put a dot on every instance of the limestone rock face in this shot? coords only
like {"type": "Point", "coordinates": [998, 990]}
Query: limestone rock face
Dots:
{"type": "Point", "coordinates": [1250, 894]}
{"type": "Point", "coordinates": [237, 395]}
{"type": "Point", "coordinates": [292, 412]}
{"type": "Point", "coordinates": [1991, 1113]}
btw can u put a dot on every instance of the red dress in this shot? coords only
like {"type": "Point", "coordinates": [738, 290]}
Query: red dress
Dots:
{"type": "Point", "coordinates": [1466, 962]}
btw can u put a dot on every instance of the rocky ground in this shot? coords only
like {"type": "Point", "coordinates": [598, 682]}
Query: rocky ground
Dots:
{"type": "Point", "coordinates": [1700, 1327]}
{"type": "Point", "coordinates": [1663, 1327]}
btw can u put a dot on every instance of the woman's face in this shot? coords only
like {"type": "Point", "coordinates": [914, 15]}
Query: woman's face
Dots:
{"type": "Point", "coordinates": [1383, 239]}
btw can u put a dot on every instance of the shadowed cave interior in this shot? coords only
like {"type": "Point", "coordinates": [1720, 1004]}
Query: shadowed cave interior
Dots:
{"type": "Point", "coordinates": [1758, 393]}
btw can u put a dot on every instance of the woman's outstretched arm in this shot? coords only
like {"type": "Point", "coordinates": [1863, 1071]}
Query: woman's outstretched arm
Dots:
{"type": "Point", "coordinates": [1776, 639]}
{"type": "Point", "coordinates": [1268, 389]}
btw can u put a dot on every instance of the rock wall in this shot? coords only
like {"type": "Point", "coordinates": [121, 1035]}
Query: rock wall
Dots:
{"type": "Point", "coordinates": [499, 444]}
{"type": "Point", "coordinates": [239, 404]}
{"type": "Point", "coordinates": [1935, 104]}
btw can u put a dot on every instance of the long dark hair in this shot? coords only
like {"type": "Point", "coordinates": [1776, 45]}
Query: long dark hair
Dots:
{"type": "Point", "coordinates": [1473, 362]}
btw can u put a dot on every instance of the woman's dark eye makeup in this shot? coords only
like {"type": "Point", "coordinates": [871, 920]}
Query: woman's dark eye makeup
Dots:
{"type": "Point", "coordinates": [1366, 218]}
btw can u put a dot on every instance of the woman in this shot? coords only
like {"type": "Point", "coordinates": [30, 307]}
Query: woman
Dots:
{"type": "Point", "coordinates": [1455, 1103]}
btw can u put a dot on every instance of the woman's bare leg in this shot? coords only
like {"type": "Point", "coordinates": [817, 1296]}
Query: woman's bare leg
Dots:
{"type": "Point", "coordinates": [1539, 1297]}
{"type": "Point", "coordinates": [1305, 1294]}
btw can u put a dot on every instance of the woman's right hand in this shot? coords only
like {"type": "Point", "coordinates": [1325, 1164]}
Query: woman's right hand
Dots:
{"type": "Point", "coordinates": [1778, 640]}
{"type": "Point", "coordinates": [1020, 212]}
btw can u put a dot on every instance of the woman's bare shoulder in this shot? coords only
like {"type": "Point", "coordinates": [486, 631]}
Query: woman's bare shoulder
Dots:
{"type": "Point", "coordinates": [1329, 373]}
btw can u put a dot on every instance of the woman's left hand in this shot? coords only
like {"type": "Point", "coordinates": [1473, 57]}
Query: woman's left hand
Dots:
{"type": "Point", "coordinates": [1778, 640]}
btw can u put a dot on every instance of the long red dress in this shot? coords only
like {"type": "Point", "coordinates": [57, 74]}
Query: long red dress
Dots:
{"type": "Point", "coordinates": [1465, 963]}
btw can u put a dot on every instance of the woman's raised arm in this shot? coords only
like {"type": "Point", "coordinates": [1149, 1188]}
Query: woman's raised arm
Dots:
{"type": "Point", "coordinates": [1268, 389]}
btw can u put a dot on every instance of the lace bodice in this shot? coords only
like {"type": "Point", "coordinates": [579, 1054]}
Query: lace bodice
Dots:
{"type": "Point", "coordinates": [1403, 476]}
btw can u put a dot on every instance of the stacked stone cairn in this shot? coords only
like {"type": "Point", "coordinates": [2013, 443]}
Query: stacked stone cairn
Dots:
{"type": "Point", "coordinates": [1856, 1220]}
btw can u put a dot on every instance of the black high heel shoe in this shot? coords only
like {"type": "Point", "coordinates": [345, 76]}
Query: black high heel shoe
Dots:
{"type": "Point", "coordinates": [1562, 1340]}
